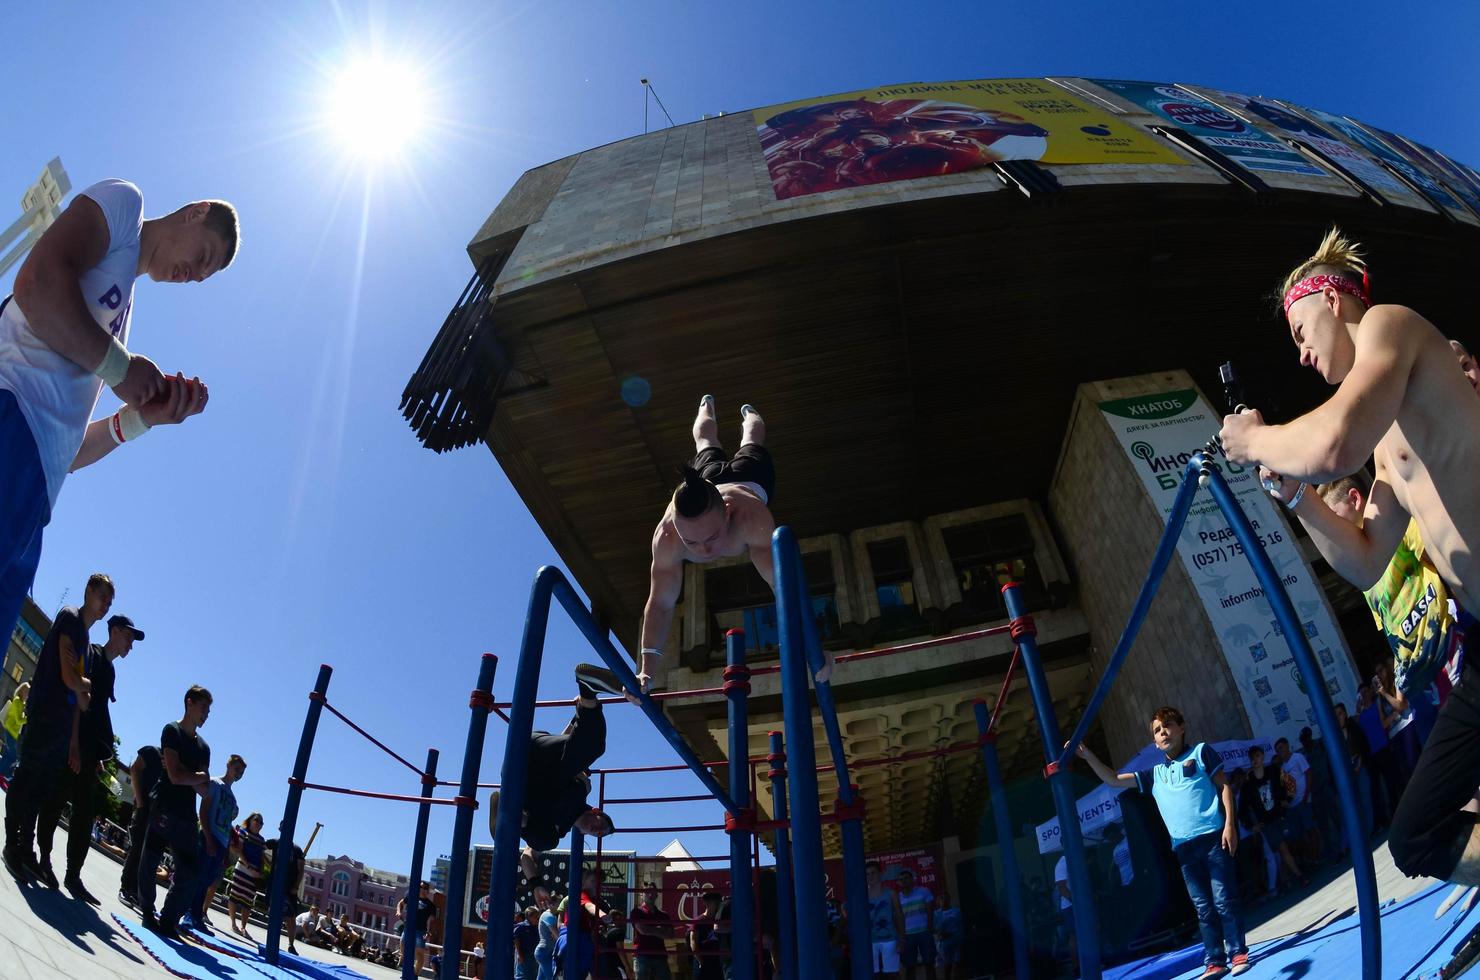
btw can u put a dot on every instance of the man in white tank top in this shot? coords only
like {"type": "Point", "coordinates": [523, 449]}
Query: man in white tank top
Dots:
{"type": "Point", "coordinates": [64, 334]}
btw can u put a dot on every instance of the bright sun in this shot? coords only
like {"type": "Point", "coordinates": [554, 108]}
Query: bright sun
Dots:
{"type": "Point", "coordinates": [377, 108]}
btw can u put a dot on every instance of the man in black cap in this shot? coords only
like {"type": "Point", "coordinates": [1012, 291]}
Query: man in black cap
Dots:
{"type": "Point", "coordinates": [81, 787]}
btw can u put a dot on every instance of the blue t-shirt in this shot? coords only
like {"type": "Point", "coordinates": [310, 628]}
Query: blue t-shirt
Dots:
{"type": "Point", "coordinates": [881, 918]}
{"type": "Point", "coordinates": [524, 938]}
{"type": "Point", "coordinates": [948, 924]}
{"type": "Point", "coordinates": [1185, 792]}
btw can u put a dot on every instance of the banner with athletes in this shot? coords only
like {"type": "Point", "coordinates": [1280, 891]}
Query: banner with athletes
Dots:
{"type": "Point", "coordinates": [1159, 433]}
{"type": "Point", "coordinates": [929, 129]}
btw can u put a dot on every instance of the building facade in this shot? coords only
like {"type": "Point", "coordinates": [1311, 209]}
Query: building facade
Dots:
{"type": "Point", "coordinates": [24, 648]}
{"type": "Point", "coordinates": [342, 886]}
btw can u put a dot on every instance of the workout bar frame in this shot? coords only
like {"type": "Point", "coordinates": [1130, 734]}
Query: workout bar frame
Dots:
{"type": "Point", "coordinates": [1199, 467]}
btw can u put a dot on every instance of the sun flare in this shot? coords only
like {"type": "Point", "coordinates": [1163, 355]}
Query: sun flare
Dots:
{"type": "Point", "coordinates": [377, 108]}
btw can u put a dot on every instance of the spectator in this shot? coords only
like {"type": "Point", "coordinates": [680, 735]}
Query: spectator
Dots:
{"type": "Point", "coordinates": [611, 957]}
{"type": "Point", "coordinates": [247, 880]}
{"type": "Point", "coordinates": [218, 812]}
{"type": "Point", "coordinates": [1250, 856]}
{"type": "Point", "coordinates": [187, 762]}
{"type": "Point", "coordinates": [526, 937]}
{"type": "Point", "coordinates": [704, 940]}
{"type": "Point", "coordinates": [549, 928]}
{"type": "Point", "coordinates": [305, 927]}
{"type": "Point", "coordinates": [1323, 794]}
{"type": "Point", "coordinates": [1065, 896]}
{"type": "Point", "coordinates": [837, 939]}
{"type": "Point", "coordinates": [1361, 761]}
{"type": "Point", "coordinates": [144, 773]}
{"type": "Point", "coordinates": [886, 923]}
{"type": "Point", "coordinates": [425, 911]}
{"type": "Point", "coordinates": [348, 940]}
{"type": "Point", "coordinates": [1264, 807]}
{"type": "Point", "coordinates": [292, 884]}
{"type": "Point", "coordinates": [585, 940]}
{"type": "Point", "coordinates": [651, 927]}
{"type": "Point", "coordinates": [916, 904]}
{"type": "Point", "coordinates": [948, 931]}
{"type": "Point", "coordinates": [475, 960]}
{"type": "Point", "coordinates": [12, 720]}
{"type": "Point", "coordinates": [436, 962]}
{"type": "Point", "coordinates": [1300, 821]}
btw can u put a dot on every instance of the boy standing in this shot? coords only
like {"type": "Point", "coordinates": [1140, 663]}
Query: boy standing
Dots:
{"type": "Point", "coordinates": [1196, 804]}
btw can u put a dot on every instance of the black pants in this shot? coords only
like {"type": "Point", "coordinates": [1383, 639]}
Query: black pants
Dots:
{"type": "Point", "coordinates": [181, 835]}
{"type": "Point", "coordinates": [43, 756]}
{"type": "Point", "coordinates": [585, 742]}
{"type": "Point", "coordinates": [138, 830]}
{"type": "Point", "coordinates": [81, 790]}
{"type": "Point", "coordinates": [1429, 830]}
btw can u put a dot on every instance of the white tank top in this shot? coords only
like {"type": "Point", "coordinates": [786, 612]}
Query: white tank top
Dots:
{"type": "Point", "coordinates": [56, 396]}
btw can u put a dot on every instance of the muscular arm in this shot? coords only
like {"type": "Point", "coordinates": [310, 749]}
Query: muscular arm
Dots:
{"type": "Point", "coordinates": [178, 774]}
{"type": "Point", "coordinates": [756, 530]}
{"type": "Point", "coordinates": [135, 771]}
{"type": "Point", "coordinates": [71, 676]}
{"type": "Point", "coordinates": [665, 582]}
{"type": "Point", "coordinates": [1358, 553]}
{"type": "Point", "coordinates": [47, 285]}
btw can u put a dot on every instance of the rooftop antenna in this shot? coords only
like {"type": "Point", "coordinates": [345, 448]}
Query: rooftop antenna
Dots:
{"type": "Point", "coordinates": [647, 88]}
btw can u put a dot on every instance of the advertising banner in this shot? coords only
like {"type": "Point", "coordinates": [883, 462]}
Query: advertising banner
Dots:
{"type": "Point", "coordinates": [1369, 142]}
{"type": "Point", "coordinates": [1159, 433]}
{"type": "Point", "coordinates": [929, 129]}
{"type": "Point", "coordinates": [616, 872]}
{"type": "Point", "coordinates": [1457, 175]}
{"type": "Point", "coordinates": [1436, 164]}
{"type": "Point", "coordinates": [924, 862]}
{"type": "Point", "coordinates": [1244, 144]}
{"type": "Point", "coordinates": [683, 892]}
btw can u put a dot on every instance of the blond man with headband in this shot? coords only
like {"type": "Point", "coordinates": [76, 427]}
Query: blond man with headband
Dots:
{"type": "Point", "coordinates": [1398, 399]}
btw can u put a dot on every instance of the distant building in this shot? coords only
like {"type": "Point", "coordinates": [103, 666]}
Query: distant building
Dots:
{"type": "Point", "coordinates": [343, 886]}
{"type": "Point", "coordinates": [24, 648]}
{"type": "Point", "coordinates": [440, 871]}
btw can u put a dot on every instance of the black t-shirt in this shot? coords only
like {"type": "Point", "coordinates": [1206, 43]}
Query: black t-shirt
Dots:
{"type": "Point", "coordinates": [1357, 745]}
{"type": "Point", "coordinates": [50, 699]}
{"type": "Point", "coordinates": [425, 909]}
{"type": "Point", "coordinates": [609, 959]}
{"type": "Point", "coordinates": [151, 769]}
{"type": "Point", "coordinates": [95, 727]}
{"type": "Point", "coordinates": [195, 756]}
{"type": "Point", "coordinates": [295, 873]}
{"type": "Point", "coordinates": [554, 795]}
{"type": "Point", "coordinates": [646, 915]}
{"type": "Point", "coordinates": [1262, 799]}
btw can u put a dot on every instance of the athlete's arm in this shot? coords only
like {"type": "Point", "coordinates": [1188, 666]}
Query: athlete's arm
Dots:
{"type": "Point", "coordinates": [71, 676]}
{"type": "Point", "coordinates": [46, 287]}
{"type": "Point", "coordinates": [665, 582]}
{"type": "Point", "coordinates": [1336, 438]}
{"type": "Point", "coordinates": [1358, 553]}
{"type": "Point", "coordinates": [756, 529]}
{"type": "Point", "coordinates": [181, 399]}
{"type": "Point", "coordinates": [179, 775]}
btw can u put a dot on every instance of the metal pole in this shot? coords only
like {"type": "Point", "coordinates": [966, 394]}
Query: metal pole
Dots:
{"type": "Point", "coordinates": [1060, 782]}
{"type": "Point", "coordinates": [480, 702]}
{"type": "Point", "coordinates": [1012, 880]}
{"type": "Point", "coordinates": [786, 905]}
{"type": "Point", "coordinates": [418, 853]}
{"type": "Point", "coordinates": [806, 823]}
{"type": "Point", "coordinates": [283, 859]}
{"type": "Point", "coordinates": [573, 910]}
{"type": "Point", "coordinates": [742, 890]}
{"type": "Point", "coordinates": [1315, 689]}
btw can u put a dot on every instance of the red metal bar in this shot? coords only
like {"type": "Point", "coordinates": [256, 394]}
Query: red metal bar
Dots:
{"type": "Point", "coordinates": [1006, 684]}
{"type": "Point", "coordinates": [374, 741]}
{"type": "Point", "coordinates": [374, 796]}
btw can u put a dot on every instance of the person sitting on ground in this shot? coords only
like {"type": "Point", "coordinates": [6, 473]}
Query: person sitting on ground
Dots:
{"type": "Point", "coordinates": [1196, 804]}
{"type": "Point", "coordinates": [558, 777]}
{"type": "Point", "coordinates": [347, 939]}
{"type": "Point", "coordinates": [305, 927]}
{"type": "Point", "coordinates": [1263, 806]}
{"type": "Point", "coordinates": [721, 509]}
{"type": "Point", "coordinates": [247, 880]}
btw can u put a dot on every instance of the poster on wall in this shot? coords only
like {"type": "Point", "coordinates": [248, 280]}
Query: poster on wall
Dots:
{"type": "Point", "coordinates": [1244, 144]}
{"type": "Point", "coordinates": [1369, 142]}
{"type": "Point", "coordinates": [1456, 175]}
{"type": "Point", "coordinates": [1159, 432]}
{"type": "Point", "coordinates": [924, 130]}
{"type": "Point", "coordinates": [554, 876]}
{"type": "Point", "coordinates": [924, 863]}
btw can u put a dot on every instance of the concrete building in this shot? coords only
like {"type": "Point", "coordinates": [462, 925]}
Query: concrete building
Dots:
{"type": "Point", "coordinates": [940, 360]}
{"type": "Point", "coordinates": [343, 886]}
{"type": "Point", "coordinates": [23, 649]}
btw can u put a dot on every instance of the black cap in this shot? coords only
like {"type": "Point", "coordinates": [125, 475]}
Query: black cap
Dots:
{"type": "Point", "coordinates": [123, 622]}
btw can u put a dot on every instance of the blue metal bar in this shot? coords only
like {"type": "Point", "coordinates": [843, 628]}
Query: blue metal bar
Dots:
{"type": "Point", "coordinates": [1012, 880]}
{"type": "Point", "coordinates": [1164, 552]}
{"type": "Point", "coordinates": [573, 911]}
{"type": "Point", "coordinates": [742, 885]}
{"type": "Point", "coordinates": [1315, 688]}
{"type": "Point", "coordinates": [462, 825]}
{"type": "Point", "coordinates": [413, 886]}
{"type": "Point", "coordinates": [786, 903]}
{"type": "Point", "coordinates": [806, 822]}
{"type": "Point", "coordinates": [283, 859]}
{"type": "Point", "coordinates": [1060, 782]}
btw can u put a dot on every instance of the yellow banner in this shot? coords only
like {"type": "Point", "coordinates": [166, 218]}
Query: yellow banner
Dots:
{"type": "Point", "coordinates": [928, 129]}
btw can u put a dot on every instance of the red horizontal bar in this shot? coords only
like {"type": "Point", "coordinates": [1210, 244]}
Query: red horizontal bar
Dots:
{"type": "Point", "coordinates": [374, 796]}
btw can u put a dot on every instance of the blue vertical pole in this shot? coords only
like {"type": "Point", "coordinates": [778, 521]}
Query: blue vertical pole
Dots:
{"type": "Point", "coordinates": [413, 887]}
{"type": "Point", "coordinates": [573, 911]}
{"type": "Point", "coordinates": [742, 891]}
{"type": "Point", "coordinates": [481, 702]}
{"type": "Point", "coordinates": [283, 860]}
{"type": "Point", "coordinates": [1086, 922]}
{"type": "Point", "coordinates": [1012, 881]}
{"type": "Point", "coordinates": [856, 887]}
{"type": "Point", "coordinates": [786, 904]}
{"type": "Point", "coordinates": [500, 947]}
{"type": "Point", "coordinates": [806, 822]}
{"type": "Point", "coordinates": [1315, 688]}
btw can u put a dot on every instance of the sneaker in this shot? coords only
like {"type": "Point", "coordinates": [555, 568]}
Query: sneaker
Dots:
{"type": "Point", "coordinates": [1240, 964]}
{"type": "Point", "coordinates": [592, 680]}
{"type": "Point", "coordinates": [43, 872]}
{"type": "Point", "coordinates": [128, 898]}
{"type": "Point", "coordinates": [1214, 970]}
{"type": "Point", "coordinates": [79, 891]}
{"type": "Point", "coordinates": [747, 410]}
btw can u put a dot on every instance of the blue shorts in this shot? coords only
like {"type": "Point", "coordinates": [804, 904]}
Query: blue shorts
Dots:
{"type": "Point", "coordinates": [585, 953]}
{"type": "Point", "coordinates": [24, 510]}
{"type": "Point", "coordinates": [950, 951]}
{"type": "Point", "coordinates": [919, 947]}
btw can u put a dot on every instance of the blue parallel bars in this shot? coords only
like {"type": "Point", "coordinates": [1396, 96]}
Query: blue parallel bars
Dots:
{"type": "Point", "coordinates": [283, 859]}
{"type": "Point", "coordinates": [742, 885]}
{"type": "Point", "coordinates": [418, 854]}
{"type": "Point", "coordinates": [1012, 880]}
{"type": "Point", "coordinates": [791, 582]}
{"type": "Point", "coordinates": [481, 702]}
{"type": "Point", "coordinates": [786, 904]}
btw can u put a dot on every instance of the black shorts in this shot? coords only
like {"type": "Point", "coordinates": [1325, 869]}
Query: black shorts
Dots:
{"type": "Point", "coordinates": [752, 464]}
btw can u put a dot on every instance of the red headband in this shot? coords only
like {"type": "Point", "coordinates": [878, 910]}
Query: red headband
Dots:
{"type": "Point", "coordinates": [1340, 283]}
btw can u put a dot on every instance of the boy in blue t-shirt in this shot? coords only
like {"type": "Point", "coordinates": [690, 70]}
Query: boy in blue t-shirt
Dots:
{"type": "Point", "coordinates": [1196, 804]}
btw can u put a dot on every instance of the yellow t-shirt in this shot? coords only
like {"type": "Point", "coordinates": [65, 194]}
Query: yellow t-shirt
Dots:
{"type": "Point", "coordinates": [1411, 605]}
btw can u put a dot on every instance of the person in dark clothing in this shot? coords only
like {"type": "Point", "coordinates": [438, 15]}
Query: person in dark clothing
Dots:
{"type": "Point", "coordinates": [95, 740]}
{"type": "Point", "coordinates": [1262, 808]}
{"type": "Point", "coordinates": [651, 928]}
{"type": "Point", "coordinates": [172, 815]}
{"type": "Point", "coordinates": [526, 938]}
{"type": "Point", "coordinates": [558, 778]}
{"type": "Point", "coordinates": [704, 940]}
{"type": "Point", "coordinates": [611, 958]}
{"type": "Point", "coordinates": [50, 742]}
{"type": "Point", "coordinates": [292, 884]}
{"type": "Point", "coordinates": [1360, 752]}
{"type": "Point", "coordinates": [144, 772]}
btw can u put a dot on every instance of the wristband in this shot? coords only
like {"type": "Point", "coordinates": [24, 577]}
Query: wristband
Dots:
{"type": "Point", "coordinates": [652, 652]}
{"type": "Point", "coordinates": [114, 366]}
{"type": "Point", "coordinates": [1299, 495]}
{"type": "Point", "coordinates": [126, 425]}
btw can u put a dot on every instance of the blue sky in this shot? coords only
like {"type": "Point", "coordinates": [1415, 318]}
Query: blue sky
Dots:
{"type": "Point", "coordinates": [298, 521]}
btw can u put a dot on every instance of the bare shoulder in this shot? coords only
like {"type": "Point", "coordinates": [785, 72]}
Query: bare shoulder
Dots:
{"type": "Point", "coordinates": [748, 511]}
{"type": "Point", "coordinates": [667, 545]}
{"type": "Point", "coordinates": [1391, 323]}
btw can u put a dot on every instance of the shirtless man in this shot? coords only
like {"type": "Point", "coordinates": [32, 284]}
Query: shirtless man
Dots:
{"type": "Point", "coordinates": [720, 510]}
{"type": "Point", "coordinates": [1399, 399]}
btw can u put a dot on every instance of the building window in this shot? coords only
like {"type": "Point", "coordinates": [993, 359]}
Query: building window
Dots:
{"type": "Point", "coordinates": [986, 555]}
{"type": "Point", "coordinates": [26, 637]}
{"type": "Point", "coordinates": [894, 584]}
{"type": "Point", "coordinates": [738, 598]}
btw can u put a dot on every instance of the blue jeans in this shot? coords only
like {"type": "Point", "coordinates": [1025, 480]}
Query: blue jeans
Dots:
{"type": "Point", "coordinates": [24, 510]}
{"type": "Point", "coordinates": [545, 957]}
{"type": "Point", "coordinates": [1212, 884]}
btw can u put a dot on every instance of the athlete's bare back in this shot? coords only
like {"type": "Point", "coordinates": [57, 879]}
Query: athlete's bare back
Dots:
{"type": "Point", "coordinates": [745, 515]}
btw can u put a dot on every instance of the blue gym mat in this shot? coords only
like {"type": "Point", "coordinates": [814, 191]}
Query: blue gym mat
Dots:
{"type": "Point", "coordinates": [1414, 946]}
{"type": "Point", "coordinates": [221, 958]}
